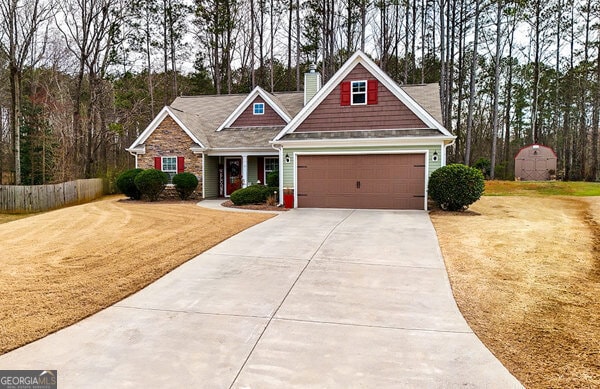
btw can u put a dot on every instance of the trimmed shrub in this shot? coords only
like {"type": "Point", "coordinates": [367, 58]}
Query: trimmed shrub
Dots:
{"type": "Point", "coordinates": [151, 183]}
{"type": "Point", "coordinates": [185, 184]}
{"type": "Point", "coordinates": [255, 194]}
{"type": "Point", "coordinates": [455, 187]}
{"type": "Point", "coordinates": [126, 184]}
{"type": "Point", "coordinates": [273, 179]}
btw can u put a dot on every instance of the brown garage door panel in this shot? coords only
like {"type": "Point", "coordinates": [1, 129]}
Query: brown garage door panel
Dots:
{"type": "Point", "coordinates": [335, 185]}
{"type": "Point", "coordinates": [378, 181]}
{"type": "Point", "coordinates": [362, 202]}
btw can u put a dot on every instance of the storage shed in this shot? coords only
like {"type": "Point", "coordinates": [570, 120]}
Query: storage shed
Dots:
{"type": "Point", "coordinates": [535, 163]}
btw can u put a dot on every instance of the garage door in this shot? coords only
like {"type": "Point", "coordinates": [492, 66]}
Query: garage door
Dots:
{"type": "Point", "coordinates": [373, 181]}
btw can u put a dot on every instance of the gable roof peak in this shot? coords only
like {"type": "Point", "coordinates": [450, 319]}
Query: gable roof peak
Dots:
{"type": "Point", "coordinates": [164, 113]}
{"type": "Point", "coordinates": [270, 99]}
{"type": "Point", "coordinates": [360, 57]}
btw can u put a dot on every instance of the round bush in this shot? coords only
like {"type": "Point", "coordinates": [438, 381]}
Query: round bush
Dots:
{"type": "Point", "coordinates": [125, 183]}
{"type": "Point", "coordinates": [255, 194]}
{"type": "Point", "coordinates": [151, 183]}
{"type": "Point", "coordinates": [455, 187]}
{"type": "Point", "coordinates": [185, 184]}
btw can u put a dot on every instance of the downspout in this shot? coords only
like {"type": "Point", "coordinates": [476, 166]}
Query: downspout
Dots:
{"type": "Point", "coordinates": [446, 152]}
{"type": "Point", "coordinates": [135, 155]}
{"type": "Point", "coordinates": [203, 176]}
{"type": "Point", "coordinates": [280, 194]}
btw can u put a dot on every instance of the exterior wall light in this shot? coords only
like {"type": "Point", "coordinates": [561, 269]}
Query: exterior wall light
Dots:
{"type": "Point", "coordinates": [287, 158]}
{"type": "Point", "coordinates": [434, 157]}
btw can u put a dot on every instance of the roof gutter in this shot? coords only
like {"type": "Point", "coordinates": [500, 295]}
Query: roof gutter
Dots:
{"type": "Point", "coordinates": [357, 142]}
{"type": "Point", "coordinates": [238, 151]}
{"type": "Point", "coordinates": [136, 151]}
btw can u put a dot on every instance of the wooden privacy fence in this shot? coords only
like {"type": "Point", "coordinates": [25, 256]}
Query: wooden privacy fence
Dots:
{"type": "Point", "coordinates": [37, 198]}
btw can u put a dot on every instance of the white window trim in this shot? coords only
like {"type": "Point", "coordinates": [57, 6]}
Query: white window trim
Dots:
{"type": "Point", "coordinates": [162, 167]}
{"type": "Point", "coordinates": [265, 171]}
{"type": "Point", "coordinates": [352, 93]}
{"type": "Point", "coordinates": [255, 105]}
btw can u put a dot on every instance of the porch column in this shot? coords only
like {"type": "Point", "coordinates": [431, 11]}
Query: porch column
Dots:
{"type": "Point", "coordinates": [244, 170]}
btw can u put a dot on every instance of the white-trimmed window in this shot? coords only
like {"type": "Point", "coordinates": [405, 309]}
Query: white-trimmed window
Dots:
{"type": "Point", "coordinates": [259, 108]}
{"type": "Point", "coordinates": [359, 92]}
{"type": "Point", "coordinates": [169, 166]}
{"type": "Point", "coordinates": [271, 165]}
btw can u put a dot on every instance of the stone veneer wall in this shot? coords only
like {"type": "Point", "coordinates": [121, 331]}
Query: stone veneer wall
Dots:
{"type": "Point", "coordinates": [170, 193]}
{"type": "Point", "coordinates": [169, 140]}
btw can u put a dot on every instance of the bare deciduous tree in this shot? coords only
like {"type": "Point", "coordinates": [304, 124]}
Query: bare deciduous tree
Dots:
{"type": "Point", "coordinates": [22, 28]}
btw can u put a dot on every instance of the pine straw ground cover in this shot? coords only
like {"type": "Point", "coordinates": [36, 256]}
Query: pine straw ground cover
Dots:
{"type": "Point", "coordinates": [525, 272]}
{"type": "Point", "coordinates": [59, 267]}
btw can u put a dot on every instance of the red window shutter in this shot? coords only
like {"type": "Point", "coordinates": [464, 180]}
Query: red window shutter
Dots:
{"type": "Point", "coordinates": [180, 164]}
{"type": "Point", "coordinates": [372, 87]}
{"type": "Point", "coordinates": [345, 93]}
{"type": "Point", "coordinates": [158, 163]}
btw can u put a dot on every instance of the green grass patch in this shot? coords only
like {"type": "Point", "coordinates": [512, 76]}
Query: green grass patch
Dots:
{"type": "Point", "coordinates": [541, 188]}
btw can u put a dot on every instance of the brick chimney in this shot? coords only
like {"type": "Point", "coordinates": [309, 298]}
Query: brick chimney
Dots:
{"type": "Point", "coordinates": [312, 83]}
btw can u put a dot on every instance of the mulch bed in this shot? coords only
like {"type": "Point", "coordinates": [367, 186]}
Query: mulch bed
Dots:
{"type": "Point", "coordinates": [255, 207]}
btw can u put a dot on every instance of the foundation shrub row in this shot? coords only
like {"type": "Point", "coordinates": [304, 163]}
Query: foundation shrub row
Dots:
{"type": "Point", "coordinates": [150, 183]}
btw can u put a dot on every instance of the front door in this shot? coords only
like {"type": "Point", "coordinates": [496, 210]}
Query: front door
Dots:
{"type": "Point", "coordinates": [233, 175]}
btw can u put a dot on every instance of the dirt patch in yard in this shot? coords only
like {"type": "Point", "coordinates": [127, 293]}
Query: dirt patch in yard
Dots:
{"type": "Point", "coordinates": [58, 267]}
{"type": "Point", "coordinates": [525, 272]}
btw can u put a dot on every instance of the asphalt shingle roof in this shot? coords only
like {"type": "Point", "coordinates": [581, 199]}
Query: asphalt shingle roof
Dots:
{"type": "Point", "coordinates": [427, 96]}
{"type": "Point", "coordinates": [248, 137]}
{"type": "Point", "coordinates": [202, 115]}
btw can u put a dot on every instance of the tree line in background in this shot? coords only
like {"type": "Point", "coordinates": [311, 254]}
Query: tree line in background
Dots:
{"type": "Point", "coordinates": [80, 79]}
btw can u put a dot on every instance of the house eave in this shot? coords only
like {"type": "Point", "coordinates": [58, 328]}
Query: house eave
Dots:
{"type": "Point", "coordinates": [267, 150]}
{"type": "Point", "coordinates": [139, 150]}
{"type": "Point", "coordinates": [397, 141]}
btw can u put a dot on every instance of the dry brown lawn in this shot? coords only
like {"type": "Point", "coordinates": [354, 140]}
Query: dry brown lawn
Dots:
{"type": "Point", "coordinates": [58, 267]}
{"type": "Point", "coordinates": [5, 218]}
{"type": "Point", "coordinates": [525, 272]}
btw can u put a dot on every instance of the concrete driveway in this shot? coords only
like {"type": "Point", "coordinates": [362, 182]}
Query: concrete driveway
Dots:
{"type": "Point", "coordinates": [311, 298]}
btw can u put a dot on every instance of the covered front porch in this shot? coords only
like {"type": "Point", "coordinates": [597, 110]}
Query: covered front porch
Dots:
{"type": "Point", "coordinates": [224, 173]}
